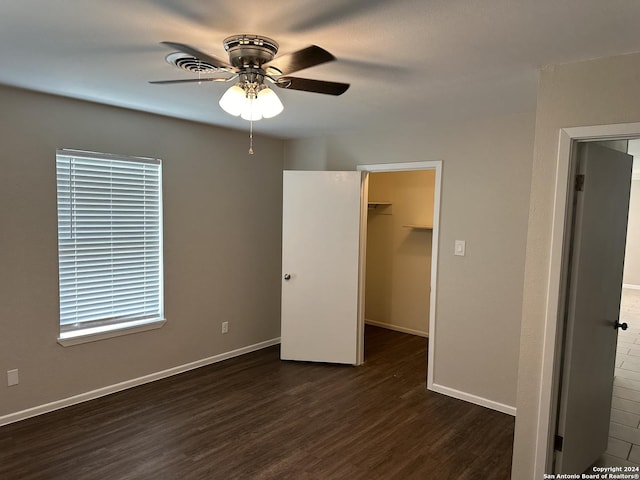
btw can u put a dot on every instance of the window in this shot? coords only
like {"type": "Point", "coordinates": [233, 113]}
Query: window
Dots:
{"type": "Point", "coordinates": [109, 244]}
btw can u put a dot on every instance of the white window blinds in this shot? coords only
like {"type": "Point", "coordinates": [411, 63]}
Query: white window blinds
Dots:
{"type": "Point", "coordinates": [109, 239]}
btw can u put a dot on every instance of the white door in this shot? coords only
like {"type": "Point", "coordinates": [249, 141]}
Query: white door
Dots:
{"type": "Point", "coordinates": [593, 305]}
{"type": "Point", "coordinates": [321, 248]}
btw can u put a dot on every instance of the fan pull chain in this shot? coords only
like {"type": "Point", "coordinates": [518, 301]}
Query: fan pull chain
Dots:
{"type": "Point", "coordinates": [251, 137]}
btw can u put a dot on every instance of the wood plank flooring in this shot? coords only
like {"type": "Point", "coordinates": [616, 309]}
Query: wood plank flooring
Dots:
{"type": "Point", "coordinates": [256, 417]}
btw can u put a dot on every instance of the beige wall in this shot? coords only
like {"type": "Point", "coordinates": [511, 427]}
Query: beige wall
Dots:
{"type": "Point", "coordinates": [485, 191]}
{"type": "Point", "coordinates": [222, 221]}
{"type": "Point", "coordinates": [399, 258]}
{"type": "Point", "coordinates": [595, 92]}
{"type": "Point", "coordinates": [632, 251]}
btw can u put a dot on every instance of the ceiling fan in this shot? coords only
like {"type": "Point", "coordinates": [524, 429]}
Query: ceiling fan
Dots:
{"type": "Point", "coordinates": [253, 62]}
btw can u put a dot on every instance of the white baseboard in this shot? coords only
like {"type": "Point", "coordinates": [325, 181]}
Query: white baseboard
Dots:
{"type": "Point", "coordinates": [467, 397]}
{"type": "Point", "coordinates": [101, 392]}
{"type": "Point", "coordinates": [388, 326]}
{"type": "Point", "coordinates": [631, 286]}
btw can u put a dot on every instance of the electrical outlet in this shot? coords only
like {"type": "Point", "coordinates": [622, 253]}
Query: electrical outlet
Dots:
{"type": "Point", "coordinates": [225, 327]}
{"type": "Point", "coordinates": [12, 378]}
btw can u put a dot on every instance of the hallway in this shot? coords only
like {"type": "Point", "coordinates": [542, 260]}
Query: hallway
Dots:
{"type": "Point", "coordinates": [624, 431]}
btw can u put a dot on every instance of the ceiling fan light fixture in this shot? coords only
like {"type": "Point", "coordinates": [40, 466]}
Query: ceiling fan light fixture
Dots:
{"type": "Point", "coordinates": [269, 103]}
{"type": "Point", "coordinates": [251, 110]}
{"type": "Point", "coordinates": [242, 100]}
{"type": "Point", "coordinates": [234, 100]}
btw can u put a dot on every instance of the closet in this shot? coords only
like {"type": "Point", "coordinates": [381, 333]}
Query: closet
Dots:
{"type": "Point", "coordinates": [398, 263]}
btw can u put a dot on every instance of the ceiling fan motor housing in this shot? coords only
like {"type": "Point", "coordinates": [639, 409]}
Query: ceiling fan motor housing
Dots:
{"type": "Point", "coordinates": [250, 50]}
{"type": "Point", "coordinates": [251, 60]}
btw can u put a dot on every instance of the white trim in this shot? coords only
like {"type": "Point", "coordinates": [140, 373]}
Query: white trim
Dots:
{"type": "Point", "coordinates": [77, 337]}
{"type": "Point", "coordinates": [101, 392]}
{"type": "Point", "coordinates": [397, 328]}
{"type": "Point", "coordinates": [106, 156]}
{"type": "Point", "coordinates": [435, 236]}
{"type": "Point", "coordinates": [362, 260]}
{"type": "Point", "coordinates": [467, 397]}
{"type": "Point", "coordinates": [399, 167]}
{"type": "Point", "coordinates": [567, 136]}
{"type": "Point", "coordinates": [544, 429]}
{"type": "Point", "coordinates": [631, 286]}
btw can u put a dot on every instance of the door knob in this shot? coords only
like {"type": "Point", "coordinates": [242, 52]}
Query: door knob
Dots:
{"type": "Point", "coordinates": [287, 277]}
{"type": "Point", "coordinates": [618, 325]}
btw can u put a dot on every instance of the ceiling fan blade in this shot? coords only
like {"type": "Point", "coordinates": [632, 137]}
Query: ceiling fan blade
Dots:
{"type": "Point", "coordinates": [299, 60]}
{"type": "Point", "coordinates": [216, 62]}
{"type": "Point", "coordinates": [315, 86]}
{"type": "Point", "coordinates": [190, 80]}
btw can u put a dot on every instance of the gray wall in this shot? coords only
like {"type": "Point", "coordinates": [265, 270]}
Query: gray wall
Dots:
{"type": "Point", "coordinates": [597, 92]}
{"type": "Point", "coordinates": [485, 195]}
{"type": "Point", "coordinates": [222, 222]}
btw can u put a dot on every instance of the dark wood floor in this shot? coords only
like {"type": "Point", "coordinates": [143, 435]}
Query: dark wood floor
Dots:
{"type": "Point", "coordinates": [255, 417]}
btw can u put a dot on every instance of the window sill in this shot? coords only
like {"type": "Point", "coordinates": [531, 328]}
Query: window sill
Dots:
{"type": "Point", "coordinates": [87, 335]}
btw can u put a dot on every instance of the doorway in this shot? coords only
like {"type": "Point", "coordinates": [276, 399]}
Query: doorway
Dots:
{"type": "Point", "coordinates": [557, 287]}
{"type": "Point", "coordinates": [406, 225]}
{"type": "Point", "coordinates": [593, 272]}
{"type": "Point", "coordinates": [398, 263]}
{"type": "Point", "coordinates": [623, 447]}
{"type": "Point", "coordinates": [324, 263]}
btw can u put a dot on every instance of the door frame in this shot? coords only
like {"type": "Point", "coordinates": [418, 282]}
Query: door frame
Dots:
{"type": "Point", "coordinates": [557, 286]}
{"type": "Point", "coordinates": [404, 167]}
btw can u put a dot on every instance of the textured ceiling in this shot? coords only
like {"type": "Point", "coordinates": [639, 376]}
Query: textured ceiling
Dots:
{"type": "Point", "coordinates": [406, 60]}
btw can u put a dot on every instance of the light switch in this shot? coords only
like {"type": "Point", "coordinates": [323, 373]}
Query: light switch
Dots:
{"type": "Point", "coordinates": [12, 378]}
{"type": "Point", "coordinates": [459, 248]}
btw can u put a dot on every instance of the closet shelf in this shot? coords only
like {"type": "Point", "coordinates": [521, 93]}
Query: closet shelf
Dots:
{"type": "Point", "coordinates": [419, 227]}
{"type": "Point", "coordinates": [379, 208]}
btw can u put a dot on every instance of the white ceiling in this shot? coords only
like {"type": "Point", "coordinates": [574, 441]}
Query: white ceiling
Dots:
{"type": "Point", "coordinates": [405, 59]}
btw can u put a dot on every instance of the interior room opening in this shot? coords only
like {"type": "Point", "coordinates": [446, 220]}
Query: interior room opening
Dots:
{"type": "Point", "coordinates": [611, 394]}
{"type": "Point", "coordinates": [399, 252]}
{"type": "Point", "coordinates": [624, 430]}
